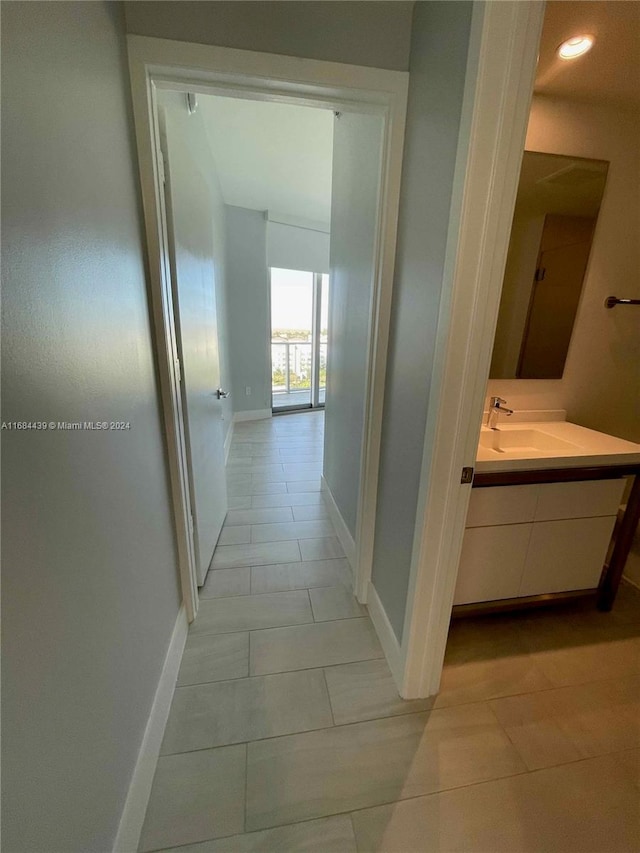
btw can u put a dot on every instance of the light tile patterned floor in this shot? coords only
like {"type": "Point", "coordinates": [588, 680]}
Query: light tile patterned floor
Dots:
{"type": "Point", "coordinates": [286, 733]}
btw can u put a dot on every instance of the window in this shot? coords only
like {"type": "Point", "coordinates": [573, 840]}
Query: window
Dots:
{"type": "Point", "coordinates": [299, 330]}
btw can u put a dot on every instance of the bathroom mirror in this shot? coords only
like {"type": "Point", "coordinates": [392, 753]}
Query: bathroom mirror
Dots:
{"type": "Point", "coordinates": [553, 224]}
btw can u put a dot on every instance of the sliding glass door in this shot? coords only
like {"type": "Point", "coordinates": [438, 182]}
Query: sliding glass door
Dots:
{"type": "Point", "coordinates": [323, 297]}
{"type": "Point", "coordinates": [299, 321]}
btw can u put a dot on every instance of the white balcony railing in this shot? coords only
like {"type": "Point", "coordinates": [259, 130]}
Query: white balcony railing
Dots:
{"type": "Point", "coordinates": [291, 366]}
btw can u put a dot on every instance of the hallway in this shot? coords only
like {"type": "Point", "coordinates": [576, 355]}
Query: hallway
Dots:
{"type": "Point", "coordinates": [286, 732]}
{"type": "Point", "coordinates": [276, 609]}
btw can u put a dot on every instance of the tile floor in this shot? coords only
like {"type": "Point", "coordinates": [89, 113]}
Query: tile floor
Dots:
{"type": "Point", "coordinates": [286, 732]}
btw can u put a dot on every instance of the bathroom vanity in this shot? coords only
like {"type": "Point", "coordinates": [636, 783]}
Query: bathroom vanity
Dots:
{"type": "Point", "coordinates": [543, 508]}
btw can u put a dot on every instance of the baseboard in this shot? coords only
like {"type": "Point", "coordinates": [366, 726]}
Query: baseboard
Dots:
{"type": "Point", "coordinates": [386, 635]}
{"type": "Point", "coordinates": [631, 581]}
{"type": "Point", "coordinates": [342, 531]}
{"type": "Point", "coordinates": [254, 415]}
{"type": "Point", "coordinates": [227, 441]}
{"type": "Point", "coordinates": [135, 806]}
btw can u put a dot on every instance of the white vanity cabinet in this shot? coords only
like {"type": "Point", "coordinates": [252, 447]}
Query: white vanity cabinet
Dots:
{"type": "Point", "coordinates": [537, 538]}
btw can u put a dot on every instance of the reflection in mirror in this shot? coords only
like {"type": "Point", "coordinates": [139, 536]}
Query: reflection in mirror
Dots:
{"type": "Point", "coordinates": [553, 223]}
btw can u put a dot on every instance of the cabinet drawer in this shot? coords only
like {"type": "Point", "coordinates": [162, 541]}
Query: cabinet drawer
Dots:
{"type": "Point", "coordinates": [566, 555]}
{"type": "Point", "coordinates": [586, 499]}
{"type": "Point", "coordinates": [492, 563]}
{"type": "Point", "coordinates": [502, 505]}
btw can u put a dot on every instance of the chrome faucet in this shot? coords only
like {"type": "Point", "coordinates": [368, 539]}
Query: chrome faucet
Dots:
{"type": "Point", "coordinates": [496, 405]}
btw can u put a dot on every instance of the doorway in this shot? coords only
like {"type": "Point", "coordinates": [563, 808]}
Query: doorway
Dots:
{"type": "Point", "coordinates": [299, 339]}
{"type": "Point", "coordinates": [363, 97]}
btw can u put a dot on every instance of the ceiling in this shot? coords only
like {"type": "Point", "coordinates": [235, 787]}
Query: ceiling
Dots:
{"type": "Point", "coordinates": [553, 183]}
{"type": "Point", "coordinates": [611, 70]}
{"type": "Point", "coordinates": [271, 156]}
{"type": "Point", "coordinates": [277, 157]}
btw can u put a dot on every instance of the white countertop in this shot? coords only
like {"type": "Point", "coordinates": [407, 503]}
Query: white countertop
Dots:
{"type": "Point", "coordinates": [580, 447]}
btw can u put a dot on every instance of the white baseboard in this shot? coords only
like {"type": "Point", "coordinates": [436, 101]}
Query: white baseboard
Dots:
{"type": "Point", "coordinates": [135, 806]}
{"type": "Point", "coordinates": [227, 441]}
{"type": "Point", "coordinates": [254, 415]}
{"type": "Point", "coordinates": [386, 635]}
{"type": "Point", "coordinates": [342, 531]}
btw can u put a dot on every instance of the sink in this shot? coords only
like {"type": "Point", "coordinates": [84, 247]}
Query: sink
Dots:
{"type": "Point", "coordinates": [536, 444]}
{"type": "Point", "coordinates": [529, 442]}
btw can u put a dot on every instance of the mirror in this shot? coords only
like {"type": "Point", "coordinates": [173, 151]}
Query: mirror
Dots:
{"type": "Point", "coordinates": [553, 223]}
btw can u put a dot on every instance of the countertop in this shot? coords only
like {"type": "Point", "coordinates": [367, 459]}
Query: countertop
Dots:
{"type": "Point", "coordinates": [589, 448]}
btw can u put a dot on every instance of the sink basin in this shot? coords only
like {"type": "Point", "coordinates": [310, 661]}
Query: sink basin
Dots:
{"type": "Point", "coordinates": [530, 442]}
{"type": "Point", "coordinates": [536, 444]}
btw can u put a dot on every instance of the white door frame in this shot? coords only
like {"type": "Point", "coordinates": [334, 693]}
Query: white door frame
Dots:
{"type": "Point", "coordinates": [501, 72]}
{"type": "Point", "coordinates": [160, 63]}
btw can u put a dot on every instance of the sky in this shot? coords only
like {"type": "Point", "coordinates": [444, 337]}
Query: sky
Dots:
{"type": "Point", "coordinates": [292, 299]}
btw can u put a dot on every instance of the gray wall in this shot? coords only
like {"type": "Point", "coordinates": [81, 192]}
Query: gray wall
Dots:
{"type": "Point", "coordinates": [357, 141]}
{"type": "Point", "coordinates": [362, 33]}
{"type": "Point", "coordinates": [90, 586]}
{"type": "Point", "coordinates": [439, 48]}
{"type": "Point", "coordinates": [249, 323]}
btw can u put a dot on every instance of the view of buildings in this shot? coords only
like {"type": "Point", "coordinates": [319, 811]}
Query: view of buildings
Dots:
{"type": "Point", "coordinates": [295, 296]}
{"type": "Point", "coordinates": [291, 359]}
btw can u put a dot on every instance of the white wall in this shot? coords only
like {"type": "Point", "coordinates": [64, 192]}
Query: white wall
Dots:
{"type": "Point", "coordinates": [362, 33]}
{"type": "Point", "coordinates": [249, 322]}
{"type": "Point", "coordinates": [90, 584]}
{"type": "Point", "coordinates": [600, 387]}
{"type": "Point", "coordinates": [293, 248]}
{"type": "Point", "coordinates": [356, 178]}
{"type": "Point", "coordinates": [441, 32]}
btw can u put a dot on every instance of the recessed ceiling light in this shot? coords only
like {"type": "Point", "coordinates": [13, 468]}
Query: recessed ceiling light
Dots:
{"type": "Point", "coordinates": [576, 46]}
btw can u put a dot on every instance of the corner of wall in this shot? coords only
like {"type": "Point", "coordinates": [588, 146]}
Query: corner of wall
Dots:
{"type": "Point", "coordinates": [131, 822]}
{"type": "Point", "coordinates": [388, 640]}
{"type": "Point", "coordinates": [248, 310]}
{"type": "Point", "coordinates": [342, 531]}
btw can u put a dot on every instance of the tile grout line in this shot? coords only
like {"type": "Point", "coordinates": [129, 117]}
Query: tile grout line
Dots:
{"type": "Point", "coordinates": [248, 675]}
{"type": "Point", "coordinates": [353, 830]}
{"type": "Point", "coordinates": [283, 627]}
{"type": "Point", "coordinates": [507, 735]}
{"type": "Point", "coordinates": [313, 615]}
{"type": "Point", "coordinates": [436, 793]}
{"type": "Point", "coordinates": [246, 786]}
{"type": "Point", "coordinates": [326, 684]}
{"type": "Point", "coordinates": [335, 725]}
{"type": "Point", "coordinates": [487, 702]}
{"type": "Point", "coordinates": [514, 695]}
{"type": "Point", "coordinates": [488, 699]}
{"type": "Point", "coordinates": [350, 813]}
{"type": "Point", "coordinates": [322, 729]}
